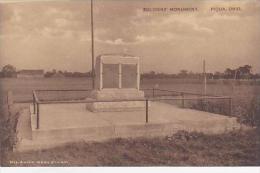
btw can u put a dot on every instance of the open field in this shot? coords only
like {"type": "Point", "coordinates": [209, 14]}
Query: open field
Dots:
{"type": "Point", "coordinates": [22, 88]}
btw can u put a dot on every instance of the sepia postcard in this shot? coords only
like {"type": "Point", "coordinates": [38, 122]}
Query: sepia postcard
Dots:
{"type": "Point", "coordinates": [129, 83]}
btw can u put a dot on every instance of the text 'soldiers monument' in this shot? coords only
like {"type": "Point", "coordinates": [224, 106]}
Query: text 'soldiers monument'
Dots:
{"type": "Point", "coordinates": [117, 78]}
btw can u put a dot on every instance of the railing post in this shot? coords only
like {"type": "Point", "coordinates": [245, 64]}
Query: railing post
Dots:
{"type": "Point", "coordinates": [38, 117]}
{"type": "Point", "coordinates": [205, 105]}
{"type": "Point", "coordinates": [182, 100]}
{"type": "Point", "coordinates": [146, 110]}
{"type": "Point", "coordinates": [33, 103]}
{"type": "Point", "coordinates": [153, 92]}
{"type": "Point", "coordinates": [9, 99]}
{"type": "Point", "coordinates": [230, 106]}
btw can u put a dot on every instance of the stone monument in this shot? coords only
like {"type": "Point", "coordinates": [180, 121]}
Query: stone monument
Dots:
{"type": "Point", "coordinates": [117, 77]}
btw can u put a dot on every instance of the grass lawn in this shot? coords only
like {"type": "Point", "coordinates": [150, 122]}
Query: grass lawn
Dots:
{"type": "Point", "coordinates": [238, 148]}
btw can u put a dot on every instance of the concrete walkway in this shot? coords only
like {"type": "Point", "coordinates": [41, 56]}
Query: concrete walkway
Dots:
{"type": "Point", "coordinates": [63, 123]}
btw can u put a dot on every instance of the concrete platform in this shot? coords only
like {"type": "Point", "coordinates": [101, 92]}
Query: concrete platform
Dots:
{"type": "Point", "coordinates": [65, 123]}
{"type": "Point", "coordinates": [116, 94]}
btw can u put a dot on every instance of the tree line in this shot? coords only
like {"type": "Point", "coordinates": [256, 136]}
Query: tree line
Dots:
{"type": "Point", "coordinates": [58, 73]}
{"type": "Point", "coordinates": [242, 72]}
{"type": "Point", "coordinates": [9, 71]}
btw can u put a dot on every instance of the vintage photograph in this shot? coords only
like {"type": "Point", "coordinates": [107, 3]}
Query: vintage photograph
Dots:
{"type": "Point", "coordinates": [129, 83]}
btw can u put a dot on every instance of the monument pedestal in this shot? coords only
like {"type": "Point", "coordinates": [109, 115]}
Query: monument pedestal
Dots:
{"type": "Point", "coordinates": [117, 83]}
{"type": "Point", "coordinates": [106, 100]}
{"type": "Point", "coordinates": [117, 94]}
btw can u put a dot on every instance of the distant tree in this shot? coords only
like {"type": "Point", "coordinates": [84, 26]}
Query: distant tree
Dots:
{"type": "Point", "coordinates": [191, 75]}
{"type": "Point", "coordinates": [9, 71]}
{"type": "Point", "coordinates": [240, 72]}
{"type": "Point", "coordinates": [54, 71]}
{"type": "Point", "coordinates": [68, 74]}
{"type": "Point", "coordinates": [217, 75]}
{"type": "Point", "coordinates": [150, 74]}
{"type": "Point", "coordinates": [257, 76]}
{"type": "Point", "coordinates": [210, 75]}
{"type": "Point", "coordinates": [245, 71]}
{"type": "Point", "coordinates": [89, 74]}
{"type": "Point", "coordinates": [183, 73]}
{"type": "Point", "coordinates": [48, 74]}
{"type": "Point", "coordinates": [229, 73]}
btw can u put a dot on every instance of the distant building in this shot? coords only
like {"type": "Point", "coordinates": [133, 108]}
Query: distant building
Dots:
{"type": "Point", "coordinates": [30, 74]}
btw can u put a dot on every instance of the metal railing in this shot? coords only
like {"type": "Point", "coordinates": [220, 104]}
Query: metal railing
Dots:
{"type": "Point", "coordinates": [175, 92]}
{"type": "Point", "coordinates": [154, 97]}
{"type": "Point", "coordinates": [36, 109]}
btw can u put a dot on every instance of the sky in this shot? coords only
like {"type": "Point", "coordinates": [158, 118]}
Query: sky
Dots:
{"type": "Point", "coordinates": [56, 34]}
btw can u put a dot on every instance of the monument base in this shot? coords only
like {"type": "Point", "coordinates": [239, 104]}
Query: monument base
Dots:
{"type": "Point", "coordinates": [116, 106]}
{"type": "Point", "coordinates": [106, 100]}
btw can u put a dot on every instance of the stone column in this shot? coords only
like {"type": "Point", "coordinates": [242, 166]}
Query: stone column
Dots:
{"type": "Point", "coordinates": [120, 75]}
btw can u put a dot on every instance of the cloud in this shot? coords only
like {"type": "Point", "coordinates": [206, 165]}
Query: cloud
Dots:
{"type": "Point", "coordinates": [158, 38]}
{"type": "Point", "coordinates": [118, 41]}
{"type": "Point", "coordinates": [170, 26]}
{"type": "Point", "coordinates": [61, 22]}
{"type": "Point", "coordinates": [190, 22]}
{"type": "Point", "coordinates": [44, 17]}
